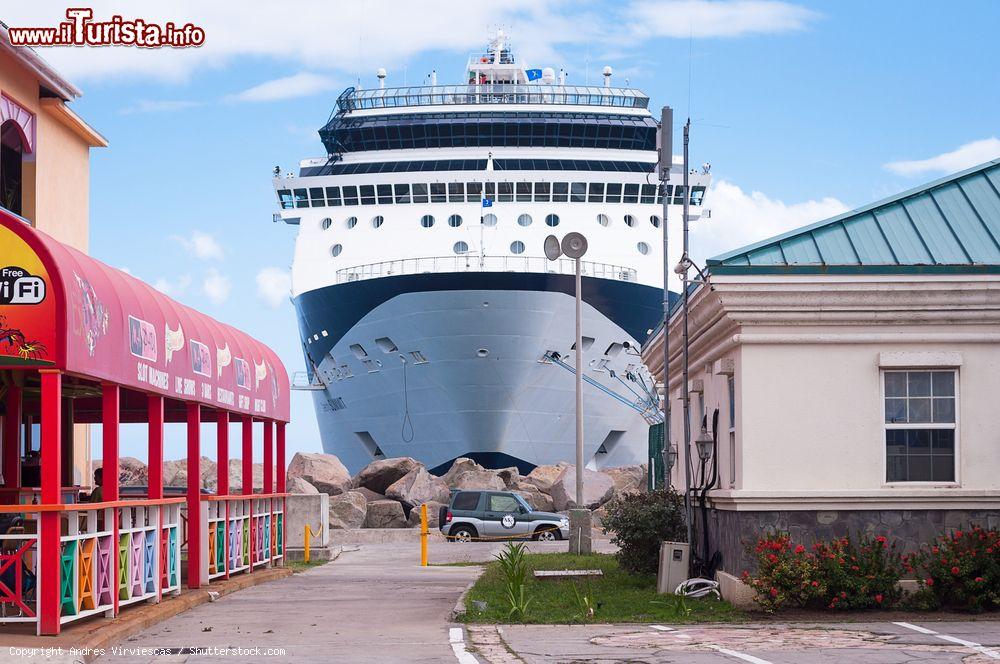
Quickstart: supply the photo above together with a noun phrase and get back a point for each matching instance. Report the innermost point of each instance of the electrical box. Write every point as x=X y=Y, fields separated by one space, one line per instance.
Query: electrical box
x=674 y=566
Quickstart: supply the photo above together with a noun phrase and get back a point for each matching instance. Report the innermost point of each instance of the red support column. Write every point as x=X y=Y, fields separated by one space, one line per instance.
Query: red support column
x=280 y=426
x=12 y=442
x=268 y=456
x=194 y=494
x=154 y=409
x=247 y=488
x=110 y=418
x=222 y=454
x=50 y=546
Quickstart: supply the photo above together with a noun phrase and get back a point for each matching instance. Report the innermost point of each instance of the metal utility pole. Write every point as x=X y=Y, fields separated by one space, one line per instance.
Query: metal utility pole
x=684 y=266
x=666 y=161
x=579 y=388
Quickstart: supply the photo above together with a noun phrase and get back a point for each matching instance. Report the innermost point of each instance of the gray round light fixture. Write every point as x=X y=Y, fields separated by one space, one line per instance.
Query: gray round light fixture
x=552 y=248
x=574 y=245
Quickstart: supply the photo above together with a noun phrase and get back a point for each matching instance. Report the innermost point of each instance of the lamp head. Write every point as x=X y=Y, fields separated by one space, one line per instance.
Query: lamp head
x=704 y=444
x=552 y=248
x=574 y=245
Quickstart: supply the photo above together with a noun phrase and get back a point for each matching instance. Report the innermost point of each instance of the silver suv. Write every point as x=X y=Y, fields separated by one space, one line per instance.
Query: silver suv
x=491 y=515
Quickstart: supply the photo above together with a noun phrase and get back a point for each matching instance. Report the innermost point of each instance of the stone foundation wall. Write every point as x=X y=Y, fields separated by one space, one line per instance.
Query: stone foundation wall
x=731 y=531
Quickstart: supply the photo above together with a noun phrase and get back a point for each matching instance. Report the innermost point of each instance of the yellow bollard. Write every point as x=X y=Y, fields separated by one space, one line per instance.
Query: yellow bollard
x=307 y=535
x=423 y=535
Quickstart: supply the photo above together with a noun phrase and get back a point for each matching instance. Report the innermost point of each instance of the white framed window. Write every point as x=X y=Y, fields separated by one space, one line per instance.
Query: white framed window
x=455 y=220
x=326 y=223
x=629 y=220
x=351 y=222
x=377 y=221
x=731 y=385
x=603 y=219
x=921 y=424
x=427 y=221
x=489 y=220
x=524 y=220
x=460 y=247
x=517 y=247
x=643 y=248
x=336 y=249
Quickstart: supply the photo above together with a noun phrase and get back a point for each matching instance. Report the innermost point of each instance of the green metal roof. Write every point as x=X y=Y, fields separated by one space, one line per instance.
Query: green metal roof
x=951 y=224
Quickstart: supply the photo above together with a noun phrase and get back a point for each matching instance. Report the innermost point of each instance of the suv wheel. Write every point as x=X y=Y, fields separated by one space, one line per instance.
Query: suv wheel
x=547 y=534
x=462 y=533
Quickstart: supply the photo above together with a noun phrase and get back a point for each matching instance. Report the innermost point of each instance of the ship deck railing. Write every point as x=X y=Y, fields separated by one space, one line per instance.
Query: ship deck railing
x=476 y=263
x=496 y=93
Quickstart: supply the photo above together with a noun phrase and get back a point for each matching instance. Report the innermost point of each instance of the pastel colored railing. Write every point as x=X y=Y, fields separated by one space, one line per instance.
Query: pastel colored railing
x=241 y=533
x=18 y=573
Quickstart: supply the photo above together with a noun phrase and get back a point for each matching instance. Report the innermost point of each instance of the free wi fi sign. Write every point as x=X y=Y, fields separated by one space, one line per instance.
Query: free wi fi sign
x=17 y=286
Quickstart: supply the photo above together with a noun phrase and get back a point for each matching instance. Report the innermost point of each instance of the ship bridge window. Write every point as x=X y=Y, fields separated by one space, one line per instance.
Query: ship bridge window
x=560 y=192
x=629 y=220
x=316 y=197
x=524 y=220
x=367 y=194
x=437 y=192
x=578 y=192
x=643 y=248
x=697 y=195
x=359 y=351
x=285 y=196
x=301 y=201
x=455 y=220
x=350 y=195
x=336 y=249
x=385 y=194
x=679 y=195
x=648 y=193
x=386 y=345
x=524 y=192
x=456 y=192
x=659 y=192
x=614 y=193
x=460 y=247
x=427 y=221
x=631 y=193
x=552 y=220
x=517 y=247
x=474 y=192
x=542 y=192
x=377 y=221
x=326 y=223
x=596 y=192
x=402 y=193
x=653 y=219
x=489 y=220
x=333 y=196
x=505 y=192
x=420 y=193
x=603 y=219
x=351 y=222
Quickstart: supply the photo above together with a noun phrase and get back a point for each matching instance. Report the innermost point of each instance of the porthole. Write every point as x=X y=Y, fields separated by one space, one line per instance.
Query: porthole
x=629 y=220
x=427 y=221
x=653 y=219
x=643 y=248
x=326 y=223
x=377 y=221
x=352 y=222
x=455 y=220
x=603 y=220
x=524 y=220
x=517 y=247
x=552 y=220
x=489 y=220
x=336 y=249
x=460 y=247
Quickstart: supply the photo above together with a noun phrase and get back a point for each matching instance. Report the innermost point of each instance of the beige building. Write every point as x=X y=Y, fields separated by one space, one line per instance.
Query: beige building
x=45 y=166
x=847 y=374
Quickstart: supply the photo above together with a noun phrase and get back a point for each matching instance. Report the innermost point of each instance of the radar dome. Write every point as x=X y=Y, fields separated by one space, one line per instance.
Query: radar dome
x=548 y=75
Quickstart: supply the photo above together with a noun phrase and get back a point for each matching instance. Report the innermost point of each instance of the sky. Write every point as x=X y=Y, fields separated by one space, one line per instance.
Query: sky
x=803 y=109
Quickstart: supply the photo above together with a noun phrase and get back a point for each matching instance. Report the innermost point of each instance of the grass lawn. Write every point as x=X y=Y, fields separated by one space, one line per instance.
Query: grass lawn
x=300 y=566
x=618 y=597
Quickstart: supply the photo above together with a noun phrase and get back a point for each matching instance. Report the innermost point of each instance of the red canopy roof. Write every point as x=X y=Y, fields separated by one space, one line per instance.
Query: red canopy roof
x=60 y=308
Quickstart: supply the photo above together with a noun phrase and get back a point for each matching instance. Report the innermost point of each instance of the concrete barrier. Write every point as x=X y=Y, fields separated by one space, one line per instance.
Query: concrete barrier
x=308 y=508
x=734 y=591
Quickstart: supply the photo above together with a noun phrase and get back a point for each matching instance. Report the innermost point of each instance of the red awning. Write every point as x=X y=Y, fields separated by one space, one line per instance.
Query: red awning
x=62 y=309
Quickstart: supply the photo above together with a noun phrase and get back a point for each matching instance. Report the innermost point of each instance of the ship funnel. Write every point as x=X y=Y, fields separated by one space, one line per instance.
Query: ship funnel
x=381 y=76
x=607 y=76
x=562 y=77
x=434 y=77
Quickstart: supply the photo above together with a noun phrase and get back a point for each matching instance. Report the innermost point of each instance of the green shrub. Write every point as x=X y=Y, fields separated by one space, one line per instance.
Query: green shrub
x=514 y=566
x=962 y=569
x=638 y=522
x=786 y=574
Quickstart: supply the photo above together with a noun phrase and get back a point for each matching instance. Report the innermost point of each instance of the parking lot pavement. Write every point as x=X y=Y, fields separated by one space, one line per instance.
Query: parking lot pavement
x=974 y=642
x=441 y=551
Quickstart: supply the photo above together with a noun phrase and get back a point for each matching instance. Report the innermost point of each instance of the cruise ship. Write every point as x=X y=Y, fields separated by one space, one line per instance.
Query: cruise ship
x=432 y=324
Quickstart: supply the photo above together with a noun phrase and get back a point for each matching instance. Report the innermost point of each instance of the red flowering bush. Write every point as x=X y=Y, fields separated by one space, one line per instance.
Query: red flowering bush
x=962 y=569
x=839 y=574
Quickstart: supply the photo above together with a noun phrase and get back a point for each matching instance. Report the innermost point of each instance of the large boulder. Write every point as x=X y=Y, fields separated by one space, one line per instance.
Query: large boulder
x=323 y=471
x=543 y=476
x=369 y=494
x=175 y=473
x=380 y=474
x=208 y=473
x=299 y=486
x=416 y=487
x=627 y=479
x=485 y=480
x=458 y=467
x=509 y=476
x=433 y=516
x=384 y=514
x=348 y=510
x=539 y=501
x=597 y=489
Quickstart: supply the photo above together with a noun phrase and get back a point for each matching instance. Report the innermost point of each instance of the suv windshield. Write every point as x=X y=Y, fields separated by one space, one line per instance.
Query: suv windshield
x=523 y=502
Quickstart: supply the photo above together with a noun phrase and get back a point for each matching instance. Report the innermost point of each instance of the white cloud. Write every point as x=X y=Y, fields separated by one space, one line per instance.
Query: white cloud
x=202 y=245
x=968 y=155
x=175 y=287
x=348 y=37
x=289 y=87
x=160 y=106
x=216 y=286
x=714 y=18
x=274 y=285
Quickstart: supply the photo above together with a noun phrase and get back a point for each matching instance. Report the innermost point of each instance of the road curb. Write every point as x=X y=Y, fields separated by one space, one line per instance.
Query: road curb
x=459 y=611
